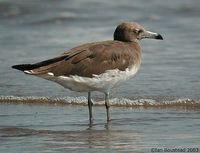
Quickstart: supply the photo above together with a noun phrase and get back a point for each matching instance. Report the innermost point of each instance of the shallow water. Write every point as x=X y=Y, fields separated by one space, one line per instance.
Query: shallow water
x=36 y=128
x=159 y=107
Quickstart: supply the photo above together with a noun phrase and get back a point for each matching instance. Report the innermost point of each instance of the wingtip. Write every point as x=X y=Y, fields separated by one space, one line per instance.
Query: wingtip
x=14 y=66
x=18 y=67
x=22 y=67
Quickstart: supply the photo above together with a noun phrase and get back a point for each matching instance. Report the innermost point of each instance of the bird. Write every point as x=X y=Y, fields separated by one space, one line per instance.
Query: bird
x=96 y=66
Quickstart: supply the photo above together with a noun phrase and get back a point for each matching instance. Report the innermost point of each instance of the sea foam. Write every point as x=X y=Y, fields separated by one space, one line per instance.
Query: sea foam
x=118 y=102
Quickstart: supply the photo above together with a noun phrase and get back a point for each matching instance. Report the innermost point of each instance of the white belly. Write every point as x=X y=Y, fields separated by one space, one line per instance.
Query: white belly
x=103 y=82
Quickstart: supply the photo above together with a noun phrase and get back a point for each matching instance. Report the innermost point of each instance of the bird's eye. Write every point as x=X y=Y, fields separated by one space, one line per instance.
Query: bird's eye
x=140 y=31
x=137 y=31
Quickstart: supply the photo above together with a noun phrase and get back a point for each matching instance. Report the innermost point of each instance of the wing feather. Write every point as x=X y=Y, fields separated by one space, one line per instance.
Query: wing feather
x=89 y=59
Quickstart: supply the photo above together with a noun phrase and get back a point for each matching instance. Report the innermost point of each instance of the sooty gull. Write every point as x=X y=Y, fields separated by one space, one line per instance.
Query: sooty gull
x=97 y=66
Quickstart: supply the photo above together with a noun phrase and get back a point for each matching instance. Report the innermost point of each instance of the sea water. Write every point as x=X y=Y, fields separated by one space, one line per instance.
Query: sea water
x=157 y=110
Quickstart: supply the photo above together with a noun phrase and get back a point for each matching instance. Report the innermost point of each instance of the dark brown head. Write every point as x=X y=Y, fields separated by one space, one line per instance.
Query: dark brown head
x=133 y=32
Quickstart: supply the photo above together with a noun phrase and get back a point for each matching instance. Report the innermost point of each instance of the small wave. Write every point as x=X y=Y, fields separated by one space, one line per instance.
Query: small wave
x=58 y=19
x=118 y=102
x=16 y=132
x=8 y=9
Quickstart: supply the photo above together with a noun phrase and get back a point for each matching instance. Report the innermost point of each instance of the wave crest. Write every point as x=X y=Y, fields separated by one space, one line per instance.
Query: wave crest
x=118 y=102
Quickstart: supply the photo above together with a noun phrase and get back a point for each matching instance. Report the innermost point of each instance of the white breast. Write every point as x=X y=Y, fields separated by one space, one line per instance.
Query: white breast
x=103 y=82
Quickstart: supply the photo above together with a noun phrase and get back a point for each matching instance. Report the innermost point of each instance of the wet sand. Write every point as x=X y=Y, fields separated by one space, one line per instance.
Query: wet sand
x=50 y=128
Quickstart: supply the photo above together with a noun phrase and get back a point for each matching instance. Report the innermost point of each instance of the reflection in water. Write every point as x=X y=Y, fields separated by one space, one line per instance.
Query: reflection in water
x=110 y=139
x=120 y=140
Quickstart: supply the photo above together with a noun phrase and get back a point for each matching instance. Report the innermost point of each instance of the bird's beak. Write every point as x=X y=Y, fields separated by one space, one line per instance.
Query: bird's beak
x=149 y=34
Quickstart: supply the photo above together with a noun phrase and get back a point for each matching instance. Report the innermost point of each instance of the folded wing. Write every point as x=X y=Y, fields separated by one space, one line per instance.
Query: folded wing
x=85 y=60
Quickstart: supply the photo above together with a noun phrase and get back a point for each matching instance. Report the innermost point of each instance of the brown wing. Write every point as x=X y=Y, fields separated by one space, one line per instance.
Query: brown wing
x=89 y=59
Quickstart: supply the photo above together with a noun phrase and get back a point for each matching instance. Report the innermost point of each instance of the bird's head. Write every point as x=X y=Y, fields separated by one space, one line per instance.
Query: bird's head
x=133 y=32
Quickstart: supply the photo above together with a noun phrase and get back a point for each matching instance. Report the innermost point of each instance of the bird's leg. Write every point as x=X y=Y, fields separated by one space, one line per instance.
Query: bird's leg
x=90 y=108
x=107 y=105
